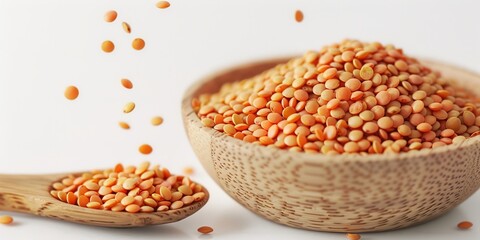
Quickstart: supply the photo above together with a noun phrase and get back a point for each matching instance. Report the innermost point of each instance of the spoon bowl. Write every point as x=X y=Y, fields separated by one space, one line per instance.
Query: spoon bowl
x=30 y=194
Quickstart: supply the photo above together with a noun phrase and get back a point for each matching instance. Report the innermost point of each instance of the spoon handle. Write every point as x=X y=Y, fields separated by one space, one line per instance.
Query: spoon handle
x=24 y=193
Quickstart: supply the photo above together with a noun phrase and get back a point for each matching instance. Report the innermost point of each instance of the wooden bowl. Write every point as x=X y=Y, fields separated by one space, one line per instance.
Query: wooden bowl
x=342 y=193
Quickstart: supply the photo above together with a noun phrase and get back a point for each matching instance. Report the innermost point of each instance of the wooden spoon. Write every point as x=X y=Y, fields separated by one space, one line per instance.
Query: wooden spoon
x=30 y=194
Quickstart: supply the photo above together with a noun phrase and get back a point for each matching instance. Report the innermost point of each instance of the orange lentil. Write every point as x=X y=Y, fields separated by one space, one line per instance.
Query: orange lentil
x=71 y=92
x=350 y=97
x=353 y=236
x=383 y=98
x=145 y=149
x=110 y=16
x=156 y=121
x=139 y=190
x=163 y=4
x=126 y=27
x=138 y=44
x=298 y=16
x=126 y=83
x=366 y=73
x=205 y=229
x=424 y=127
x=5 y=219
x=385 y=122
x=464 y=225
x=108 y=46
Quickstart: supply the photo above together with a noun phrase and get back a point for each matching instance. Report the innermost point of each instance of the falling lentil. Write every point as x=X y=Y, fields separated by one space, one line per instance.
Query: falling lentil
x=126 y=83
x=71 y=92
x=298 y=16
x=130 y=189
x=108 y=46
x=188 y=171
x=145 y=149
x=129 y=107
x=156 y=121
x=126 y=27
x=163 y=4
x=110 y=16
x=138 y=44
x=350 y=97
x=124 y=125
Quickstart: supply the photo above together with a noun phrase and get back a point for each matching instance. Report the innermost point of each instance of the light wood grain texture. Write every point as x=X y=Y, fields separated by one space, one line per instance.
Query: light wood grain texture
x=30 y=194
x=341 y=193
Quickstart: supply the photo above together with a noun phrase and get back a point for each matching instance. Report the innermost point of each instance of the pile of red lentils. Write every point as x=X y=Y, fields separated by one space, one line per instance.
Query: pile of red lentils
x=350 y=97
x=131 y=189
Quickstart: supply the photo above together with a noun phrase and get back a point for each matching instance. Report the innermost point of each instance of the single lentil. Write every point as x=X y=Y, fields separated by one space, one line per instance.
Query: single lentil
x=138 y=44
x=205 y=229
x=126 y=27
x=163 y=4
x=126 y=83
x=110 y=16
x=129 y=107
x=145 y=149
x=353 y=236
x=298 y=16
x=108 y=46
x=156 y=121
x=464 y=225
x=5 y=219
x=71 y=92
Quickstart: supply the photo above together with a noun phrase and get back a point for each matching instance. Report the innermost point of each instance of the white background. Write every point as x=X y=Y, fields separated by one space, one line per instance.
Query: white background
x=49 y=44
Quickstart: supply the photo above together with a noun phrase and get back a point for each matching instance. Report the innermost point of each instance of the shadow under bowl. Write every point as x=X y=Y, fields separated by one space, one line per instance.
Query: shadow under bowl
x=342 y=193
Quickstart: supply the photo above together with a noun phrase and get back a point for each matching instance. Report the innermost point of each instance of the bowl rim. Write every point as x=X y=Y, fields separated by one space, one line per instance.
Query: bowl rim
x=189 y=114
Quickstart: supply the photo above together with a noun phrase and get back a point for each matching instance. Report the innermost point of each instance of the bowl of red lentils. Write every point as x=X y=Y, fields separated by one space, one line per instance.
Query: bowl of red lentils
x=355 y=137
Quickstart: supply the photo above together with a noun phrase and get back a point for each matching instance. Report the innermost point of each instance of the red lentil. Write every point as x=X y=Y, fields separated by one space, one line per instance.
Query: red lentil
x=163 y=4
x=108 y=46
x=145 y=149
x=349 y=97
x=464 y=225
x=131 y=189
x=71 y=92
x=298 y=16
x=5 y=219
x=126 y=83
x=205 y=229
x=110 y=16
x=138 y=44
x=353 y=236
x=126 y=27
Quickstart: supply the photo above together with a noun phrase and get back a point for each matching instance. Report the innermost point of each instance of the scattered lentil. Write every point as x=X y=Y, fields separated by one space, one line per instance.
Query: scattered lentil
x=6 y=219
x=464 y=225
x=350 y=97
x=205 y=229
x=353 y=236
x=71 y=92
x=131 y=189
